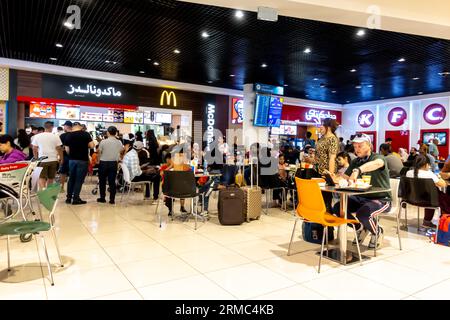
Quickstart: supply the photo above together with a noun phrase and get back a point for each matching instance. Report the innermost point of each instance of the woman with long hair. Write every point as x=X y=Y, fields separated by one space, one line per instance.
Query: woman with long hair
x=153 y=145
x=23 y=141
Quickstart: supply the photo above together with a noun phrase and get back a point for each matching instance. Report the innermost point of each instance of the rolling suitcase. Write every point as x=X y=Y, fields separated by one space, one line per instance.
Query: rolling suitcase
x=252 y=199
x=231 y=206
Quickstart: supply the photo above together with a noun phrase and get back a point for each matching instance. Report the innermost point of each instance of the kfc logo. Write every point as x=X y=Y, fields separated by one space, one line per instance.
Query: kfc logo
x=366 y=118
x=434 y=114
x=397 y=117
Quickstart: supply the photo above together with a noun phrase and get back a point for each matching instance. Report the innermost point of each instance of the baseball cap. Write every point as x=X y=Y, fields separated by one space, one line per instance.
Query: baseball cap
x=361 y=137
x=138 y=145
x=127 y=137
x=68 y=123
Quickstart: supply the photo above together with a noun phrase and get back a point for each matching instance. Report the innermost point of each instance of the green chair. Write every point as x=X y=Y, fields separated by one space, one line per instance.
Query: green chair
x=47 y=198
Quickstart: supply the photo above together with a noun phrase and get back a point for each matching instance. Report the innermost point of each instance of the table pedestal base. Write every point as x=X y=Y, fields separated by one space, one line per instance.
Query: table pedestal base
x=335 y=255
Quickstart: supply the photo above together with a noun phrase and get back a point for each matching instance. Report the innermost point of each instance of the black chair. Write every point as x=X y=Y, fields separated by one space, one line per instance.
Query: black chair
x=180 y=185
x=421 y=193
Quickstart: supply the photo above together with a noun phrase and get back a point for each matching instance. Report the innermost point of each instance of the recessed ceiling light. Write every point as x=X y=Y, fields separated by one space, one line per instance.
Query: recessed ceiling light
x=370 y=85
x=401 y=60
x=381 y=97
x=107 y=61
x=444 y=74
x=416 y=78
x=176 y=51
x=348 y=101
x=316 y=79
x=361 y=32
x=353 y=70
x=210 y=81
x=156 y=63
x=149 y=59
x=59 y=45
x=114 y=62
x=239 y=14
x=68 y=25
x=53 y=59
x=232 y=75
x=334 y=91
x=307 y=50
x=142 y=72
x=358 y=87
x=307 y=95
x=420 y=92
x=264 y=65
x=286 y=85
x=205 y=34
x=322 y=85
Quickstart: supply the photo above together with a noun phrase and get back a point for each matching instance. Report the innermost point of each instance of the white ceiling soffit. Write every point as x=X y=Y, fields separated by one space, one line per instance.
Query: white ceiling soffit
x=426 y=18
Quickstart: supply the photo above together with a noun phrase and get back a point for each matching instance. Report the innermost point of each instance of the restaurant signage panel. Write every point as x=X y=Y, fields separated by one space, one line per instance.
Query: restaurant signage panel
x=366 y=118
x=397 y=116
x=434 y=114
x=308 y=115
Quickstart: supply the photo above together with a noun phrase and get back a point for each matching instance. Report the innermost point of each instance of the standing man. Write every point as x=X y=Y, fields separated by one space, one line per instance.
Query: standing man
x=77 y=145
x=434 y=151
x=64 y=168
x=367 y=207
x=48 y=145
x=108 y=152
x=341 y=145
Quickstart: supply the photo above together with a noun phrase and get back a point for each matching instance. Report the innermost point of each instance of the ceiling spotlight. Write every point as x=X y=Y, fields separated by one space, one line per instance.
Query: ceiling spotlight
x=149 y=59
x=381 y=97
x=361 y=33
x=420 y=92
x=142 y=72
x=307 y=50
x=107 y=61
x=176 y=51
x=53 y=59
x=264 y=65
x=114 y=62
x=210 y=81
x=307 y=95
x=232 y=75
x=353 y=70
x=322 y=85
x=239 y=14
x=286 y=85
x=416 y=78
x=348 y=101
x=316 y=79
x=205 y=34
x=370 y=85
x=59 y=45
x=444 y=74
x=358 y=87
x=334 y=91
x=401 y=60
x=156 y=63
x=68 y=25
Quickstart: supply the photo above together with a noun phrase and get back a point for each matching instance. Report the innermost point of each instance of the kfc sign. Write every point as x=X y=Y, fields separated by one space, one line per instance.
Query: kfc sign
x=397 y=116
x=434 y=114
x=366 y=118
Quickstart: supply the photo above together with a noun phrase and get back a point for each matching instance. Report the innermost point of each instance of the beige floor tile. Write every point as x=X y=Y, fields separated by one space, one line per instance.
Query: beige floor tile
x=157 y=270
x=257 y=250
x=297 y=292
x=229 y=236
x=23 y=282
x=436 y=266
x=87 y=284
x=120 y=237
x=212 y=259
x=170 y=231
x=126 y=295
x=437 y=292
x=392 y=275
x=193 y=288
x=348 y=286
x=249 y=280
x=145 y=250
x=187 y=243
x=96 y=228
x=300 y=267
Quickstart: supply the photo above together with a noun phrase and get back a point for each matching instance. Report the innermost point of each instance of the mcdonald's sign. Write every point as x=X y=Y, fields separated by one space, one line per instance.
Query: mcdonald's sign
x=169 y=97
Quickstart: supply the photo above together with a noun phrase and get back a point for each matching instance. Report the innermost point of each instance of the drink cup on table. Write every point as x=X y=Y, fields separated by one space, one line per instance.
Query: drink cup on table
x=367 y=179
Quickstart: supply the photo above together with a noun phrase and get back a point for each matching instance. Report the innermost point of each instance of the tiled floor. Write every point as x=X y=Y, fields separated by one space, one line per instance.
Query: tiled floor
x=119 y=252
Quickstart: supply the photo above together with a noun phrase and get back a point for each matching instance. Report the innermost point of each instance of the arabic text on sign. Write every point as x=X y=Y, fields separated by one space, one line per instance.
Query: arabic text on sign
x=93 y=90
x=317 y=115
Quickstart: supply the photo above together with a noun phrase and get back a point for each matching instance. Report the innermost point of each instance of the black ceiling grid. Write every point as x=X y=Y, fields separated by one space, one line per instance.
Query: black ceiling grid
x=131 y=31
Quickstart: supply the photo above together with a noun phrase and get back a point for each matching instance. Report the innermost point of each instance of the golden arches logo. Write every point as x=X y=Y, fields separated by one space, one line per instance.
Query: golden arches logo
x=168 y=97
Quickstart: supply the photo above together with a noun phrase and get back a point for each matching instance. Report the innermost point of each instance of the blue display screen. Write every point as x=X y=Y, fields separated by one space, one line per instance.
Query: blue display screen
x=275 y=110
x=262 y=107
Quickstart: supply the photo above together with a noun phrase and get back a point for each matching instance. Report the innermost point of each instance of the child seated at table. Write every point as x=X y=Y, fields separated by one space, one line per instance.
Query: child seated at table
x=176 y=165
x=343 y=160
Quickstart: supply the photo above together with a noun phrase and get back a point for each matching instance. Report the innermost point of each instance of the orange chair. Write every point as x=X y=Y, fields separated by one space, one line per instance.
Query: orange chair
x=311 y=209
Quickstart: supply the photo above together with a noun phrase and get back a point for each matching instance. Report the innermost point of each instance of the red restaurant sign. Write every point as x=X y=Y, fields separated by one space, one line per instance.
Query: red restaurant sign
x=309 y=115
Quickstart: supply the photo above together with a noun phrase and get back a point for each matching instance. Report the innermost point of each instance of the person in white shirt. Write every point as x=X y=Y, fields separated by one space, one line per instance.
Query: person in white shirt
x=422 y=170
x=48 y=145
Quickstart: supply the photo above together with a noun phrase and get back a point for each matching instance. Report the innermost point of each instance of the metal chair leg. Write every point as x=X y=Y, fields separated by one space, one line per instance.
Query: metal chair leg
x=376 y=236
x=321 y=249
x=418 y=218
x=398 y=229
x=8 y=252
x=357 y=244
x=437 y=225
x=194 y=213
x=48 y=260
x=326 y=235
x=57 y=247
x=292 y=237
x=158 y=214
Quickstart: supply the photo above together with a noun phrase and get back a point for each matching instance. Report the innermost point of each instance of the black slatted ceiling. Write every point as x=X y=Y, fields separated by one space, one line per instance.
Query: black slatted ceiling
x=129 y=32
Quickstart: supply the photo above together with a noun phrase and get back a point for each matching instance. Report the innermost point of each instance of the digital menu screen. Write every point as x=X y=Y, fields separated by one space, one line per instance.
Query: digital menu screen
x=261 y=110
x=118 y=116
x=164 y=117
x=133 y=117
x=91 y=116
x=150 y=117
x=42 y=111
x=237 y=110
x=290 y=130
x=109 y=116
x=275 y=109
x=67 y=113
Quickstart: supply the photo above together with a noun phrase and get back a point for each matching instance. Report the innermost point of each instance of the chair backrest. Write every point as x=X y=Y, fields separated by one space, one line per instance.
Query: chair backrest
x=179 y=184
x=125 y=173
x=49 y=195
x=419 y=192
x=306 y=173
x=395 y=185
x=311 y=206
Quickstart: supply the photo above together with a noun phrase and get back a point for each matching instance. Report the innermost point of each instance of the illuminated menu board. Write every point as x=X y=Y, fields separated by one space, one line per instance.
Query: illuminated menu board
x=118 y=116
x=109 y=116
x=42 y=111
x=91 y=116
x=67 y=113
x=133 y=117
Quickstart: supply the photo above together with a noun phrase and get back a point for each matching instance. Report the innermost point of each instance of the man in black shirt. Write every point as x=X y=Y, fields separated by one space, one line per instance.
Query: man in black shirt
x=77 y=145
x=64 y=168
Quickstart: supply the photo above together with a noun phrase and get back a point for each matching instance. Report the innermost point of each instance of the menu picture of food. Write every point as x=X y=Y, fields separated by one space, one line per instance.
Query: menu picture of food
x=68 y=113
x=133 y=117
x=109 y=117
x=91 y=116
x=118 y=116
x=42 y=111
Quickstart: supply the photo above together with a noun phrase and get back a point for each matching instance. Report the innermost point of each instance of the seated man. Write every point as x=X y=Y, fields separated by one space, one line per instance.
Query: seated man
x=137 y=174
x=393 y=162
x=367 y=207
